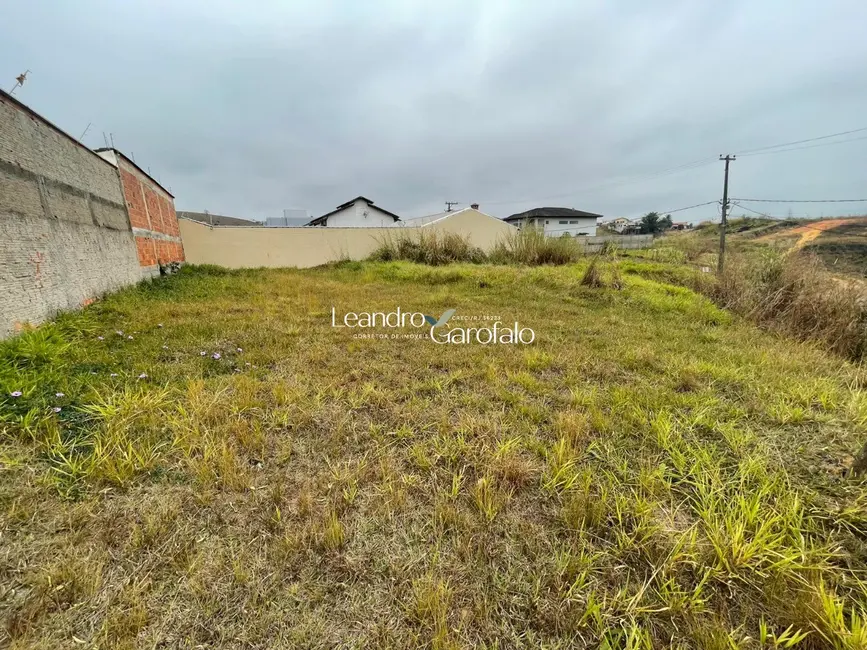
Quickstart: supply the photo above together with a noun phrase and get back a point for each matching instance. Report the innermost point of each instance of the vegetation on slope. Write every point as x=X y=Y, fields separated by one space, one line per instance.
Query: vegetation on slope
x=226 y=469
x=790 y=290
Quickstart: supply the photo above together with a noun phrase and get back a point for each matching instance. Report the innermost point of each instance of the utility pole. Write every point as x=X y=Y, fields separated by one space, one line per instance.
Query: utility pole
x=725 y=204
x=449 y=205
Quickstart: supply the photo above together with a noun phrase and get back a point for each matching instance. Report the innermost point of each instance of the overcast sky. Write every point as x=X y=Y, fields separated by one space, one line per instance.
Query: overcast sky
x=246 y=108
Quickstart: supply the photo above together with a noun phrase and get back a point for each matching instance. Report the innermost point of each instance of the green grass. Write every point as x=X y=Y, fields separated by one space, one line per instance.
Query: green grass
x=651 y=472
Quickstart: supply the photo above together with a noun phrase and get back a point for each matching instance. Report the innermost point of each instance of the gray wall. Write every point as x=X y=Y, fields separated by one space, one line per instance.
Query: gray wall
x=595 y=244
x=65 y=237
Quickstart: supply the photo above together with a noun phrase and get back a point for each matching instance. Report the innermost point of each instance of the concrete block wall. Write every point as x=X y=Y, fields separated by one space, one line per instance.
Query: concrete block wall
x=626 y=242
x=65 y=237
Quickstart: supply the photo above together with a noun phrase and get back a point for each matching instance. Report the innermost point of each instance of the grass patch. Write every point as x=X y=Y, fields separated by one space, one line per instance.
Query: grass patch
x=651 y=472
x=529 y=247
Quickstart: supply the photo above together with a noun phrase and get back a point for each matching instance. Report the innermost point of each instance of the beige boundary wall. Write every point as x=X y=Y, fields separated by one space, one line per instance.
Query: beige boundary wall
x=239 y=247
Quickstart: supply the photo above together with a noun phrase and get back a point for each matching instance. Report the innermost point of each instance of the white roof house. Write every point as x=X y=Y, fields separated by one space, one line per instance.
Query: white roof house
x=555 y=222
x=360 y=212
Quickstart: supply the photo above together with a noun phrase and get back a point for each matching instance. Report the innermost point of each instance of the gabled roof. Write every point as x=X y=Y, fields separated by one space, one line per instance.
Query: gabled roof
x=318 y=220
x=553 y=213
x=418 y=222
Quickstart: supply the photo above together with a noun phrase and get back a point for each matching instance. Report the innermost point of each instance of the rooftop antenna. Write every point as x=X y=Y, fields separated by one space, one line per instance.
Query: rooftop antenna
x=105 y=139
x=449 y=205
x=111 y=137
x=19 y=81
x=84 y=133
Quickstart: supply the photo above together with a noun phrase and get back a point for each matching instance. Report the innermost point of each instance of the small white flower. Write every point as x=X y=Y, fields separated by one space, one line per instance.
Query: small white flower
x=240 y=349
x=143 y=376
x=129 y=338
x=159 y=324
x=16 y=393
x=203 y=353
x=165 y=347
x=247 y=364
x=100 y=338
x=60 y=394
x=56 y=409
x=216 y=356
x=114 y=374
x=120 y=332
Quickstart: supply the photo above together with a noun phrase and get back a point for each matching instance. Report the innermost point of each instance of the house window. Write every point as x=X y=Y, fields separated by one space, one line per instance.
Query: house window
x=570 y=222
x=565 y=222
x=547 y=222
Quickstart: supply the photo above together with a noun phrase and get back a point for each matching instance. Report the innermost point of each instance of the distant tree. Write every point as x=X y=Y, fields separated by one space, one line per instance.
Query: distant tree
x=652 y=223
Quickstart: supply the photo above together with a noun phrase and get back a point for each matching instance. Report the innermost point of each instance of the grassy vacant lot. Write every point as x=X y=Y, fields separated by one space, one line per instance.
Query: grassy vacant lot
x=232 y=472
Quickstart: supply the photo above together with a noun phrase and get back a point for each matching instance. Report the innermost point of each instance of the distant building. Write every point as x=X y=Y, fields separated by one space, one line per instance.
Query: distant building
x=292 y=218
x=681 y=225
x=217 y=219
x=632 y=227
x=618 y=224
x=555 y=222
x=360 y=212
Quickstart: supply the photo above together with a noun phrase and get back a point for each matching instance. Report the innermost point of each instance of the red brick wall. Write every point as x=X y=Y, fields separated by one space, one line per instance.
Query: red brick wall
x=147 y=255
x=138 y=216
x=153 y=210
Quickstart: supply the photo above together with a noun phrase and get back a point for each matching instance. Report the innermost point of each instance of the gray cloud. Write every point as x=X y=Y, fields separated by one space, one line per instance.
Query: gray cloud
x=513 y=105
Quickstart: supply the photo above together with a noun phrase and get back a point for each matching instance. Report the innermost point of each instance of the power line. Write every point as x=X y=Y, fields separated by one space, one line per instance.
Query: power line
x=807 y=226
x=802 y=200
x=629 y=179
x=690 y=207
x=660 y=212
x=701 y=162
x=811 y=146
x=786 y=144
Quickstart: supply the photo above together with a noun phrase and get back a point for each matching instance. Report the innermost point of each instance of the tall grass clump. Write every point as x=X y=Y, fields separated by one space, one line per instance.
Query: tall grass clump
x=793 y=294
x=428 y=247
x=532 y=247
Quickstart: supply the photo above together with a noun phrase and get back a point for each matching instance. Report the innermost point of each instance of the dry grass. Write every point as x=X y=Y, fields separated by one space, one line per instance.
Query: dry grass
x=650 y=473
x=529 y=246
x=778 y=287
x=794 y=294
x=428 y=247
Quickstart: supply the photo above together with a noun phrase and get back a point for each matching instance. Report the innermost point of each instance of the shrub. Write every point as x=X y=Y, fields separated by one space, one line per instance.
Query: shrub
x=609 y=249
x=428 y=247
x=532 y=247
x=592 y=276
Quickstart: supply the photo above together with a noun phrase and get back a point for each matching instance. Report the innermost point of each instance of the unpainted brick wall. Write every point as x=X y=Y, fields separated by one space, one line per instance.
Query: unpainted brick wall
x=152 y=216
x=65 y=237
